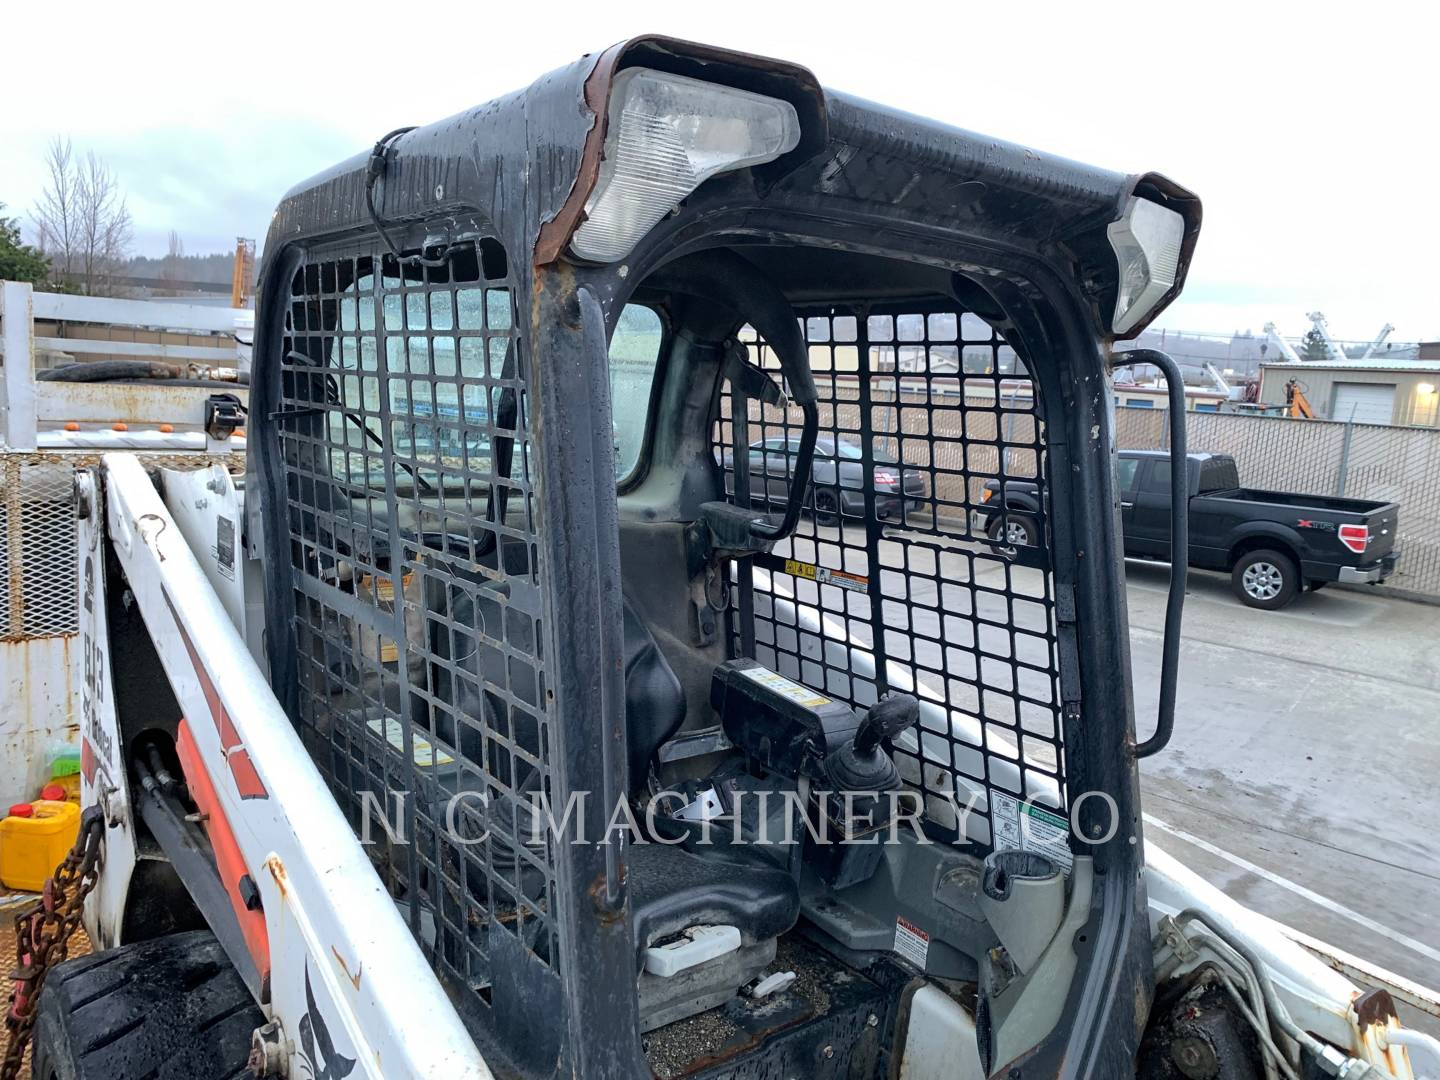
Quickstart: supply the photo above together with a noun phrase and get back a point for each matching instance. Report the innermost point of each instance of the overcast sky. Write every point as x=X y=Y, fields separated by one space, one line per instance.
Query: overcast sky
x=1308 y=129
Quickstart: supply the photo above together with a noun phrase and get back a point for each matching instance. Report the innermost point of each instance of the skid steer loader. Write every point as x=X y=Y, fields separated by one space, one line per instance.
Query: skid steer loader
x=594 y=672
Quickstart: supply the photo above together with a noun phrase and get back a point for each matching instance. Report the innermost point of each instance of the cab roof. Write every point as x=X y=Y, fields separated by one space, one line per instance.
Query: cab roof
x=525 y=163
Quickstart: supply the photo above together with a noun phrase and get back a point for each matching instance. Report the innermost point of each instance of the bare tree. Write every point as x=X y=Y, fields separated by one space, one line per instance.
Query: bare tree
x=82 y=220
x=174 y=256
x=55 y=216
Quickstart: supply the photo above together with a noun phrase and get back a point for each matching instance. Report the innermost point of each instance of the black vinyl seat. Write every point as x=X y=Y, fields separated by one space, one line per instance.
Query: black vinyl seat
x=672 y=888
x=654 y=700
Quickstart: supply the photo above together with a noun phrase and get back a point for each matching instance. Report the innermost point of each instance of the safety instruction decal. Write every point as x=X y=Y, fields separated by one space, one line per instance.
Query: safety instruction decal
x=427 y=754
x=912 y=943
x=1023 y=826
x=225 y=546
x=824 y=575
x=801 y=695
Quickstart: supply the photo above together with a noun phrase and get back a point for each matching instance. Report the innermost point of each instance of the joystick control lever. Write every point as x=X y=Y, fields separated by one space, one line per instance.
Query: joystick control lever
x=885 y=720
x=862 y=765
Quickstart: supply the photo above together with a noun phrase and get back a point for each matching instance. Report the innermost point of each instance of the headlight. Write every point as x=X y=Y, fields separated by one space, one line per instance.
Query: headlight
x=666 y=136
x=1147 y=245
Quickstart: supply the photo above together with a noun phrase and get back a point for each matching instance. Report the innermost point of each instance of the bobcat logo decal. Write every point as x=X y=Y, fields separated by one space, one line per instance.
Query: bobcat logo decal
x=316 y=1050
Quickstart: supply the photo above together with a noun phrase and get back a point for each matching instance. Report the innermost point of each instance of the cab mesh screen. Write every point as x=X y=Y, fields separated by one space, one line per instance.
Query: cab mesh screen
x=892 y=580
x=418 y=591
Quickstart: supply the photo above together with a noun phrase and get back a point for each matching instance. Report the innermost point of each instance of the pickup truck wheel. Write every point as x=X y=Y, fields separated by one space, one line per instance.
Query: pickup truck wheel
x=1009 y=531
x=1265 y=579
x=170 y=1008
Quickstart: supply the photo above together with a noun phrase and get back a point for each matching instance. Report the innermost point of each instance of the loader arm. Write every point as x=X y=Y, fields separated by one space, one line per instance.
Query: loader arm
x=346 y=980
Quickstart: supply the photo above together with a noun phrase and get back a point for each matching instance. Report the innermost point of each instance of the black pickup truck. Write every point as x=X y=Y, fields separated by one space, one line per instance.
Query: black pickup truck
x=1273 y=543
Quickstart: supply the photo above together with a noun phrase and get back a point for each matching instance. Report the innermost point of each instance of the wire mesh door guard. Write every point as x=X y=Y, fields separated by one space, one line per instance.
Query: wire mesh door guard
x=887 y=583
x=418 y=593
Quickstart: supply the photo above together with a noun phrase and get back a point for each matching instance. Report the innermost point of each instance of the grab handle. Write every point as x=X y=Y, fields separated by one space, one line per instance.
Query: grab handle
x=1179 y=544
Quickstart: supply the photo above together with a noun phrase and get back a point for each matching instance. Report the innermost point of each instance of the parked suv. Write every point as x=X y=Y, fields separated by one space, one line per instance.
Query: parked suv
x=837 y=477
x=1273 y=543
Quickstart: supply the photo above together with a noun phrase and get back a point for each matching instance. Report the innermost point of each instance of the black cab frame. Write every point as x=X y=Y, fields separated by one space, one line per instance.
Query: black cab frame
x=460 y=598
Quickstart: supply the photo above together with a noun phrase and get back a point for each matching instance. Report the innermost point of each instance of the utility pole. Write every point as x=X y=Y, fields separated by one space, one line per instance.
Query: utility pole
x=242 y=281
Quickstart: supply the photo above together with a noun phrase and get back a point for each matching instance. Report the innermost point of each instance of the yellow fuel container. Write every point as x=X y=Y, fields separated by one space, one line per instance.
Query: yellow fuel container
x=32 y=845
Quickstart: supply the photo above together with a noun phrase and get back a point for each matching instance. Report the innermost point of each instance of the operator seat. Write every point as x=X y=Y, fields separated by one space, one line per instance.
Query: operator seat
x=654 y=700
x=671 y=888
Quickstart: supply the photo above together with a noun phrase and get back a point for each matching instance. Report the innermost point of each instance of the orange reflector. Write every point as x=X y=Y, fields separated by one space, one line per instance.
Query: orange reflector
x=167 y=428
x=240 y=431
x=121 y=426
x=72 y=426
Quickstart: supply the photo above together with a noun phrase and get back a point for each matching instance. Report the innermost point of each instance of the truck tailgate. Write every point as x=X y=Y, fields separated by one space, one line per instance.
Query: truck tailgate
x=1382 y=523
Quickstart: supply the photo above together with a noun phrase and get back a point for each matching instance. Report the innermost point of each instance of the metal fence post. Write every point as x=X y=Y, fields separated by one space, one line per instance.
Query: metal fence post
x=1343 y=468
x=16 y=310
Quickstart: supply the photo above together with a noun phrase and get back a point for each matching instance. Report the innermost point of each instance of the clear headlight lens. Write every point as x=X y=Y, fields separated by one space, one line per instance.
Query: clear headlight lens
x=1147 y=245
x=667 y=135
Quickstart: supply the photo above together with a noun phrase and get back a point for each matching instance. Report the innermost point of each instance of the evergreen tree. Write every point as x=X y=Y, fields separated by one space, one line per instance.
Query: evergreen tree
x=18 y=261
x=1313 y=347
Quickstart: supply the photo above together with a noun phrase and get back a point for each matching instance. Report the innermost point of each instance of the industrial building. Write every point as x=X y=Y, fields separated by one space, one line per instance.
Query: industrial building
x=1379 y=390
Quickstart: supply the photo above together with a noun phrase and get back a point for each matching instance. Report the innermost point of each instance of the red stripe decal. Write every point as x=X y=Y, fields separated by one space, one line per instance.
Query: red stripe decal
x=247 y=779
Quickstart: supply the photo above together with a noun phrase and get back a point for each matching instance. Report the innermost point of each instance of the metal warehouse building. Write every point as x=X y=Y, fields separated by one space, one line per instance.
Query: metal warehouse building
x=1375 y=391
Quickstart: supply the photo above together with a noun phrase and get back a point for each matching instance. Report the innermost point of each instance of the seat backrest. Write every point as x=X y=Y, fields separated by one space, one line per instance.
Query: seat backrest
x=654 y=700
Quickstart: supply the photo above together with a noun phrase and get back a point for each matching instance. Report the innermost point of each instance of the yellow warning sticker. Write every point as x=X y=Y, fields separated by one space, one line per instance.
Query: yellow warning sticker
x=427 y=754
x=802 y=695
x=824 y=575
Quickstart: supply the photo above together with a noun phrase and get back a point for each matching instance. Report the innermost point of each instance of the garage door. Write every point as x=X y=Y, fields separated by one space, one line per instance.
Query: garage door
x=1365 y=403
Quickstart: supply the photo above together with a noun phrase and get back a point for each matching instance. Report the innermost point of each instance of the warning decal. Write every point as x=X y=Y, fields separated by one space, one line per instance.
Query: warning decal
x=825 y=576
x=1023 y=826
x=426 y=753
x=802 y=695
x=912 y=943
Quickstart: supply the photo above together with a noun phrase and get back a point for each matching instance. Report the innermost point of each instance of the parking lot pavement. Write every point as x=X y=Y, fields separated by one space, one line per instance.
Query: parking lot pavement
x=1304 y=774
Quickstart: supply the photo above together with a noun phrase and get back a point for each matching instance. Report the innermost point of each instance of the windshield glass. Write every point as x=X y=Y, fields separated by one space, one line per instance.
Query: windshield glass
x=634 y=352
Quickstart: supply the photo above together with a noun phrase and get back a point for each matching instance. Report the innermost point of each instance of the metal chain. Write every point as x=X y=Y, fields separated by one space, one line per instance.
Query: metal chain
x=42 y=934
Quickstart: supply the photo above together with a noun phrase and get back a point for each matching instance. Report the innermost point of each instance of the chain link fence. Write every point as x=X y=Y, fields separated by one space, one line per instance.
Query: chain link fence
x=1323 y=457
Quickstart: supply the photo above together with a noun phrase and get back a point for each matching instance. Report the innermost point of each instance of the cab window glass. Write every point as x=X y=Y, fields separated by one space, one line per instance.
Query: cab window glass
x=1125 y=470
x=634 y=352
x=1159 y=481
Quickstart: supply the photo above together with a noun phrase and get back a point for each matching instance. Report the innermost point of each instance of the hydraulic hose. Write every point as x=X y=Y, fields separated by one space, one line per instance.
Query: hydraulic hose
x=1331 y=1061
x=1416 y=1040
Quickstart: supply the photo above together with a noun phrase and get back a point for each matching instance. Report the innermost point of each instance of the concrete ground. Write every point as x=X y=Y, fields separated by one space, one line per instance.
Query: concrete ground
x=1307 y=745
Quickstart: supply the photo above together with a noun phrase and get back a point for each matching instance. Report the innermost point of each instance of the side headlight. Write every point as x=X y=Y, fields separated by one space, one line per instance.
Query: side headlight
x=1147 y=245
x=667 y=135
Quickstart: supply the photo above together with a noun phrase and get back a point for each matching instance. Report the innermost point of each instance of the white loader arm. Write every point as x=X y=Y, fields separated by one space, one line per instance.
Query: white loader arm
x=1318 y=998
x=346 y=978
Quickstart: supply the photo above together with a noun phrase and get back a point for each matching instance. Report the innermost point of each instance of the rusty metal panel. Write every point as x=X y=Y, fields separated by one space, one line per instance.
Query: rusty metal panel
x=125 y=402
x=40 y=681
x=41 y=663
